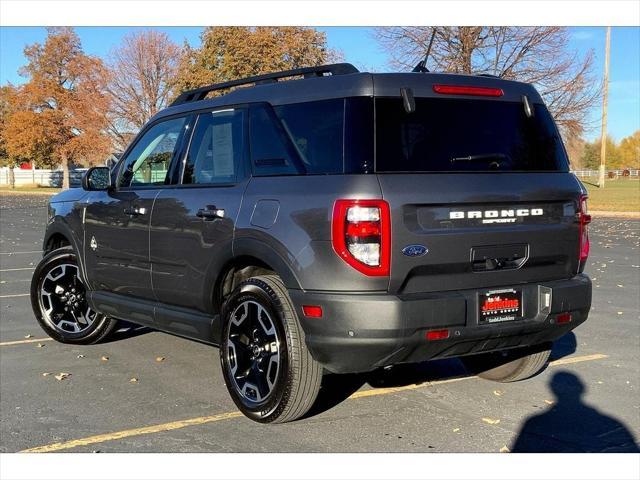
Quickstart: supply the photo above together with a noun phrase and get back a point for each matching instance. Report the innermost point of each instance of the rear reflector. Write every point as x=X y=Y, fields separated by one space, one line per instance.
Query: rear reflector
x=467 y=90
x=563 y=318
x=437 y=334
x=313 y=311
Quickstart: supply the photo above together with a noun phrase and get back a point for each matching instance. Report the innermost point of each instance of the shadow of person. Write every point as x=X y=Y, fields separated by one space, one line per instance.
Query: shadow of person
x=570 y=426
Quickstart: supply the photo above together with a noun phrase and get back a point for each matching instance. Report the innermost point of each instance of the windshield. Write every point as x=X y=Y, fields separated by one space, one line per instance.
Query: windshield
x=448 y=135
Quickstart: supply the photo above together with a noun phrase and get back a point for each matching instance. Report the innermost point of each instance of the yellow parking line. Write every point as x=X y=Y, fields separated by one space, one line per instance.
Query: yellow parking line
x=164 y=427
x=20 y=253
x=583 y=358
x=16 y=295
x=30 y=340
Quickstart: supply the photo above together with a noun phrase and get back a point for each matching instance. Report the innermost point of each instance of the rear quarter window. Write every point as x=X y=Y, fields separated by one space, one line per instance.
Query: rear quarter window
x=316 y=131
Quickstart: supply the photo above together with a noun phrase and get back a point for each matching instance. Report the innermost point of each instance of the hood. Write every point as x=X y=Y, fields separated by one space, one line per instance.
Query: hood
x=70 y=195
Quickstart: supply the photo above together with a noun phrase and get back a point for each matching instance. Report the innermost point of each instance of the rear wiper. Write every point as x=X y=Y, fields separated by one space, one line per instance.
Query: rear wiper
x=483 y=156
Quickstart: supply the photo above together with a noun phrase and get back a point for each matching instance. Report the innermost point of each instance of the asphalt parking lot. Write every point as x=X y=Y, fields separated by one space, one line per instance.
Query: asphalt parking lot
x=586 y=400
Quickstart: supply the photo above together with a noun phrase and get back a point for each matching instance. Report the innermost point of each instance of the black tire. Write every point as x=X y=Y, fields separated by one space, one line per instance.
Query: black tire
x=510 y=365
x=292 y=390
x=48 y=307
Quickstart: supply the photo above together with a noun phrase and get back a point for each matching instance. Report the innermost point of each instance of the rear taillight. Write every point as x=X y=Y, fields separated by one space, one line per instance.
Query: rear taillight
x=468 y=90
x=361 y=235
x=583 y=219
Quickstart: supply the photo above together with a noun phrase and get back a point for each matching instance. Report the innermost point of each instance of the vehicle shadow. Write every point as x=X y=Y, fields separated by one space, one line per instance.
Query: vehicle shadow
x=125 y=330
x=571 y=426
x=564 y=346
x=337 y=388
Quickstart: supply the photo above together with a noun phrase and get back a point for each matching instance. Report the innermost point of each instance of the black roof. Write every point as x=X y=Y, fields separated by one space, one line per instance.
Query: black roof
x=337 y=81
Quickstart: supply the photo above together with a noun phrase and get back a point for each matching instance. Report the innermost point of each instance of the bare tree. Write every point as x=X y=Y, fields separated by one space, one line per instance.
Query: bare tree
x=538 y=55
x=142 y=71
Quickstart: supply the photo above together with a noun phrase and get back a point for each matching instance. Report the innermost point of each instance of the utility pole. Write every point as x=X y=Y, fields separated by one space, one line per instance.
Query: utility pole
x=603 y=135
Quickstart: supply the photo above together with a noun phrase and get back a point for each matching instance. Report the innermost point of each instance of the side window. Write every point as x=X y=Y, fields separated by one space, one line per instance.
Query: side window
x=316 y=129
x=216 y=149
x=149 y=160
x=271 y=152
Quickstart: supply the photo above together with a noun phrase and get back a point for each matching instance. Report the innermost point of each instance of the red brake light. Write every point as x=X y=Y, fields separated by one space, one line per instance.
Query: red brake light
x=468 y=90
x=564 y=318
x=583 y=219
x=361 y=235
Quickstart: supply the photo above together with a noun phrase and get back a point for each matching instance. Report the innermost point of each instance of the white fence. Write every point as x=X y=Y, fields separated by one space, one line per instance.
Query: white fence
x=42 y=177
x=610 y=173
x=53 y=178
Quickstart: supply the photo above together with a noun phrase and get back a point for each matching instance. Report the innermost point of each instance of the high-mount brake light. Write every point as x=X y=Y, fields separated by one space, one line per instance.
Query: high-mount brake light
x=468 y=90
x=361 y=235
x=584 y=219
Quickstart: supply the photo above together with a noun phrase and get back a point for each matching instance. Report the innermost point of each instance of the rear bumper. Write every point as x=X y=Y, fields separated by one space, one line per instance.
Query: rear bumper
x=361 y=332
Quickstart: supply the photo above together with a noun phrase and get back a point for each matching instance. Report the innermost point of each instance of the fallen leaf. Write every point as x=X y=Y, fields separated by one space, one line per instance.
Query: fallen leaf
x=599 y=382
x=456 y=429
x=549 y=402
x=498 y=393
x=40 y=345
x=28 y=336
x=621 y=286
x=46 y=374
x=104 y=359
x=159 y=359
x=133 y=380
x=80 y=356
x=505 y=449
x=62 y=376
x=619 y=313
x=491 y=421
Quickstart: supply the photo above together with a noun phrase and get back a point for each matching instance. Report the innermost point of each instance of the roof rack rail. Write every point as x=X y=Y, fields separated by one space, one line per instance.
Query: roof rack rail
x=307 y=72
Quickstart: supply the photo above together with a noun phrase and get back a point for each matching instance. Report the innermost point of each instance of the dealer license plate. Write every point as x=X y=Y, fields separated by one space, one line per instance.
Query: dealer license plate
x=502 y=305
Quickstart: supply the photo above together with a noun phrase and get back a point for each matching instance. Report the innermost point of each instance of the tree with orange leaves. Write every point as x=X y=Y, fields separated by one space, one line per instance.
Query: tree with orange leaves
x=60 y=113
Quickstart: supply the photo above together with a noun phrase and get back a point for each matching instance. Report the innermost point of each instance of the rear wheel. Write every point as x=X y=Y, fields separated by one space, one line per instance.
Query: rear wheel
x=509 y=365
x=58 y=299
x=268 y=370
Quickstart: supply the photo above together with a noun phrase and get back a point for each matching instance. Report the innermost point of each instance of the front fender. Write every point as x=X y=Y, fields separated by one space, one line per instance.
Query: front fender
x=59 y=225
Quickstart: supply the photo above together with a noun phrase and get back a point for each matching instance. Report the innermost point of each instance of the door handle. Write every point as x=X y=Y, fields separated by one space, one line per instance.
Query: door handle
x=210 y=212
x=134 y=211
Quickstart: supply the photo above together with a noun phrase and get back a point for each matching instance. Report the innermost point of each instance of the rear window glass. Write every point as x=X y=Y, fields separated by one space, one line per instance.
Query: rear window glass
x=446 y=135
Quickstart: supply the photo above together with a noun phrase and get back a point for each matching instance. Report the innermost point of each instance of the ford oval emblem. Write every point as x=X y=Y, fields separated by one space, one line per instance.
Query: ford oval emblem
x=415 y=250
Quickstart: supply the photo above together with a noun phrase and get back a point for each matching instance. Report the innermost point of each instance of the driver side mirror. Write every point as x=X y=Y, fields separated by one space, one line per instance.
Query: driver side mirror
x=97 y=178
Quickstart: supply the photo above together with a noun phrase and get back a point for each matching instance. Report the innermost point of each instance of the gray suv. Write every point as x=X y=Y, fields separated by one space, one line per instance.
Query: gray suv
x=326 y=219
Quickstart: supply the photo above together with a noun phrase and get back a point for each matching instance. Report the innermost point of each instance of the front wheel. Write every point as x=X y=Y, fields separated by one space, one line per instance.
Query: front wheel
x=58 y=299
x=510 y=365
x=269 y=372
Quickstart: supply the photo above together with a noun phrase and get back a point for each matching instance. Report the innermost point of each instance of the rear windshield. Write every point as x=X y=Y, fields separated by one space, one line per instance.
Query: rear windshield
x=448 y=135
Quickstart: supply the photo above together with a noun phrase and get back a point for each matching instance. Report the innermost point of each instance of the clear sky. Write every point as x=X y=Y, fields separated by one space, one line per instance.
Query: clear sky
x=361 y=49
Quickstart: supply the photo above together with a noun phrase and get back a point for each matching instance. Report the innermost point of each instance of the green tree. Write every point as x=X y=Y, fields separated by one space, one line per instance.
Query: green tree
x=591 y=155
x=228 y=53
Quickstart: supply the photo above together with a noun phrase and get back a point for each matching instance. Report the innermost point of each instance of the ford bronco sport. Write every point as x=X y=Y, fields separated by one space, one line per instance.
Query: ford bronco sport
x=324 y=219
